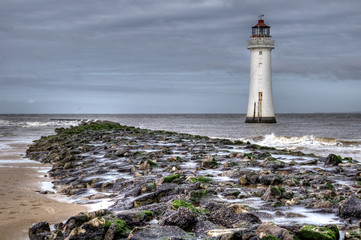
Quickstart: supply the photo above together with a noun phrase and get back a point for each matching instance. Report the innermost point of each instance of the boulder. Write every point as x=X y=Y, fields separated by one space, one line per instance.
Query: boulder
x=158 y=233
x=311 y=232
x=183 y=218
x=39 y=231
x=333 y=160
x=226 y=234
x=272 y=229
x=201 y=227
x=351 y=208
x=228 y=217
x=135 y=217
x=94 y=229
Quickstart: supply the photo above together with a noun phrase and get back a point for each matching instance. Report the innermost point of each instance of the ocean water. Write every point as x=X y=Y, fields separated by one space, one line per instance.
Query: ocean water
x=316 y=133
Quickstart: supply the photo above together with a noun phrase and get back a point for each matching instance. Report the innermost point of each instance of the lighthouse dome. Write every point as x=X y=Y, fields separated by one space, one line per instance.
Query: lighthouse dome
x=261 y=29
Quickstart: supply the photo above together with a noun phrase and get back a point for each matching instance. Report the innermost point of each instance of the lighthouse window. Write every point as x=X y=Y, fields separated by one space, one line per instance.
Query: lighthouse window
x=260 y=52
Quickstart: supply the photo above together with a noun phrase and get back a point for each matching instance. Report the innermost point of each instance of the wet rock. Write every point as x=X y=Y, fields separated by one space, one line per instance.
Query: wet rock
x=158 y=233
x=39 y=231
x=268 y=228
x=227 y=216
x=333 y=160
x=294 y=215
x=135 y=217
x=156 y=208
x=183 y=218
x=201 y=227
x=351 y=208
x=93 y=229
x=226 y=234
x=353 y=234
x=270 y=179
x=311 y=232
x=74 y=222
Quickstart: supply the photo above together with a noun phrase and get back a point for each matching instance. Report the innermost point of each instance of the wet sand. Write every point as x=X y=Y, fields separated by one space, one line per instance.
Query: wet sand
x=20 y=204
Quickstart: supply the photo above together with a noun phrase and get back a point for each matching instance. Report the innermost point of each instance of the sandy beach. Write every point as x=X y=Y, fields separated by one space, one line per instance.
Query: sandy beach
x=20 y=204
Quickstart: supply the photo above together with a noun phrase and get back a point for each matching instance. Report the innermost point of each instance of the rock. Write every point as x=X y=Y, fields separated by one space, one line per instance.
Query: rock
x=209 y=164
x=94 y=229
x=270 y=179
x=294 y=215
x=39 y=231
x=238 y=208
x=227 y=216
x=117 y=229
x=333 y=160
x=183 y=218
x=201 y=228
x=74 y=221
x=311 y=232
x=351 y=208
x=353 y=235
x=226 y=234
x=158 y=233
x=135 y=217
x=272 y=229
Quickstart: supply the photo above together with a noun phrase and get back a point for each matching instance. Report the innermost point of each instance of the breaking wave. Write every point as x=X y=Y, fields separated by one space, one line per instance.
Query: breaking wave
x=311 y=144
x=28 y=124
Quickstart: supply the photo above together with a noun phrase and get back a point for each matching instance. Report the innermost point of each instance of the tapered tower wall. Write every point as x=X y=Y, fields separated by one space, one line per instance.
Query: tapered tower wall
x=260 y=101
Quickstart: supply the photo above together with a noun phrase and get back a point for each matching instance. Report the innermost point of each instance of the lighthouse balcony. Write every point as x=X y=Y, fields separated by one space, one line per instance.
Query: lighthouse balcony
x=261 y=43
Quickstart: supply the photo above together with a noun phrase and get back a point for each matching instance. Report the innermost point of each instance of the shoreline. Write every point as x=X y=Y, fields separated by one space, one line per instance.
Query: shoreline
x=20 y=204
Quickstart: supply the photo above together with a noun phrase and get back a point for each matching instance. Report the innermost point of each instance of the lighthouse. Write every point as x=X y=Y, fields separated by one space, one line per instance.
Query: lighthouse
x=260 y=100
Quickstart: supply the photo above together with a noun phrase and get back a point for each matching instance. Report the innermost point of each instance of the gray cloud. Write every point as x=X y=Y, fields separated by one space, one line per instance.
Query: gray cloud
x=164 y=48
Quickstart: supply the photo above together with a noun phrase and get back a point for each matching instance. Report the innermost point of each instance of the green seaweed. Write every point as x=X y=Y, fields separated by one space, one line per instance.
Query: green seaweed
x=171 y=178
x=121 y=228
x=152 y=164
x=201 y=179
x=311 y=232
x=270 y=237
x=180 y=203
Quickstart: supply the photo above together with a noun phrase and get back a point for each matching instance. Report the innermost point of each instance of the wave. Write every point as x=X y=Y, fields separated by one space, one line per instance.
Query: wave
x=28 y=124
x=311 y=144
x=304 y=140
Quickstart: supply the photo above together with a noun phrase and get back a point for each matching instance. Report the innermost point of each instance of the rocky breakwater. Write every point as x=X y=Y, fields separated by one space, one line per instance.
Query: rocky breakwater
x=167 y=185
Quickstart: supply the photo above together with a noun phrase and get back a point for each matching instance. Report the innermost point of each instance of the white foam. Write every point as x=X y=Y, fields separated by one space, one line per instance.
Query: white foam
x=47 y=186
x=188 y=165
x=311 y=144
x=309 y=217
x=15 y=161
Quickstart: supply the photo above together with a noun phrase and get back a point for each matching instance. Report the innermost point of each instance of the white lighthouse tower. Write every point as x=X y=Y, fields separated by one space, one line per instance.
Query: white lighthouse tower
x=260 y=101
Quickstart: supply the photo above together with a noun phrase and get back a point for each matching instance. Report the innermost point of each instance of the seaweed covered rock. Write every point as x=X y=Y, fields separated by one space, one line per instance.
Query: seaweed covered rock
x=353 y=235
x=311 y=232
x=333 y=160
x=159 y=233
x=39 y=231
x=135 y=217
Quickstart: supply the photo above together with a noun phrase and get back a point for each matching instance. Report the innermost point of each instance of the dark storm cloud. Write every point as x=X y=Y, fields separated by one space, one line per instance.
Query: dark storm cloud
x=53 y=49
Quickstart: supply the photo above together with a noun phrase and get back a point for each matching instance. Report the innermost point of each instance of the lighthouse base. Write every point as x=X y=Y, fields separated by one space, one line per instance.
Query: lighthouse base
x=260 y=120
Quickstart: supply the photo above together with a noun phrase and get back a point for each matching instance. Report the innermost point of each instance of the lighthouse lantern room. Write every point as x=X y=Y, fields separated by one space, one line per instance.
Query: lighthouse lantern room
x=260 y=101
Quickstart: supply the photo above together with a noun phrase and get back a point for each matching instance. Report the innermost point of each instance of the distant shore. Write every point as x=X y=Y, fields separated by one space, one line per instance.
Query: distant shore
x=20 y=204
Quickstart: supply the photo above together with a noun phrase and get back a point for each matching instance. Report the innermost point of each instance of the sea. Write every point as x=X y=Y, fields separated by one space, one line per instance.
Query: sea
x=318 y=133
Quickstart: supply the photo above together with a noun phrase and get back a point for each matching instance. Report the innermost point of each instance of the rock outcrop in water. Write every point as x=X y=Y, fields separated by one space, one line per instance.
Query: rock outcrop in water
x=167 y=185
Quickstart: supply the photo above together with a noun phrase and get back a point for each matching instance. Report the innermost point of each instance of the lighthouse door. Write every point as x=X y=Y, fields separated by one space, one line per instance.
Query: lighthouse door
x=260 y=95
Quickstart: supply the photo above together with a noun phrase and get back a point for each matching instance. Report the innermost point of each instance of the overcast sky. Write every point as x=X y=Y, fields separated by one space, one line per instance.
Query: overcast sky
x=175 y=56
